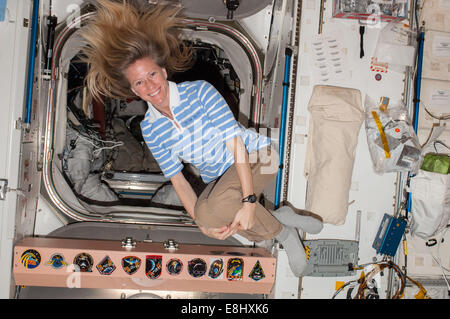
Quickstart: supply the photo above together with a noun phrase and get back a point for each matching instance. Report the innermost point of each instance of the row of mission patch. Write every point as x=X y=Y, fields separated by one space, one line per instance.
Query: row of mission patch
x=196 y=267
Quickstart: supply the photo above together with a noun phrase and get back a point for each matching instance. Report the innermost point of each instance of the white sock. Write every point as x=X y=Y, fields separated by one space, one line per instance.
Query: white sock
x=287 y=216
x=295 y=252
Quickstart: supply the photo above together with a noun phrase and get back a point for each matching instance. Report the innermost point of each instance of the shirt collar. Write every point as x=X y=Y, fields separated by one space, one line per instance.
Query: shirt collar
x=174 y=100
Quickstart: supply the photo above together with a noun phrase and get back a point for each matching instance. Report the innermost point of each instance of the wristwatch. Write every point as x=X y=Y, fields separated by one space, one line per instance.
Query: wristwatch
x=250 y=199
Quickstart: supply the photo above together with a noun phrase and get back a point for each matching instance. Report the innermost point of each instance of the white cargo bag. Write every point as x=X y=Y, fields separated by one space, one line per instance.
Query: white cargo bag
x=335 y=122
x=430 y=203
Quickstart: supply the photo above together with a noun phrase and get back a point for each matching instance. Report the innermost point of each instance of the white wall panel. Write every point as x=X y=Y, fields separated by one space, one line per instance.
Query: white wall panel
x=370 y=193
x=13 y=56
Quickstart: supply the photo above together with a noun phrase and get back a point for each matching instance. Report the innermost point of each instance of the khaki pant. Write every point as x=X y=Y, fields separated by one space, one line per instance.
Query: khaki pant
x=219 y=202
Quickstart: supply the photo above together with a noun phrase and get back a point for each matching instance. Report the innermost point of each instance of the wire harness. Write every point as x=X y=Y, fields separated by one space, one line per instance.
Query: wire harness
x=366 y=284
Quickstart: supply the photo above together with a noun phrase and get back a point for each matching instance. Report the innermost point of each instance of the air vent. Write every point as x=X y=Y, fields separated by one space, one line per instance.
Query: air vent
x=330 y=258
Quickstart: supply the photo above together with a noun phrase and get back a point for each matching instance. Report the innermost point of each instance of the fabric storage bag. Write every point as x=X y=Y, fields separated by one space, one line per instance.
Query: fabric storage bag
x=335 y=122
x=430 y=203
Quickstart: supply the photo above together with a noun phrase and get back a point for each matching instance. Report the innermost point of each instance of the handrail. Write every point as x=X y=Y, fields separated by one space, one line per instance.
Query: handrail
x=31 y=61
x=286 y=82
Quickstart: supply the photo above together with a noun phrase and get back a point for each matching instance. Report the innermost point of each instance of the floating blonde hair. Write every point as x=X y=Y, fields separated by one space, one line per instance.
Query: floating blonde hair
x=120 y=34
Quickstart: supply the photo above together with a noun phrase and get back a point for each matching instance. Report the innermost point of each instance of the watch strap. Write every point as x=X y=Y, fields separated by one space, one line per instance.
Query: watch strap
x=249 y=199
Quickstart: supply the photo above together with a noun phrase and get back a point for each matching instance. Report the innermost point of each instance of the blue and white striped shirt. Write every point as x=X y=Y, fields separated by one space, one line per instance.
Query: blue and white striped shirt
x=205 y=123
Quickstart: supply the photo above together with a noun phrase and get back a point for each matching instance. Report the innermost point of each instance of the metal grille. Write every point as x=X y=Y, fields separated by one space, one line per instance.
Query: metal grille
x=331 y=255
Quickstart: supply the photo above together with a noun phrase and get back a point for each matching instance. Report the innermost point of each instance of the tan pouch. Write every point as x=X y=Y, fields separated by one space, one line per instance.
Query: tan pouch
x=335 y=121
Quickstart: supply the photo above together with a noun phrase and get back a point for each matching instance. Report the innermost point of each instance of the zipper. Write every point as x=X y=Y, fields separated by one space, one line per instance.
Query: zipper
x=174 y=121
x=176 y=124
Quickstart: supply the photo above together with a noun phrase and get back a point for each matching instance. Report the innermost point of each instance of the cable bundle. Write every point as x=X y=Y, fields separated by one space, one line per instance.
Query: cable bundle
x=367 y=289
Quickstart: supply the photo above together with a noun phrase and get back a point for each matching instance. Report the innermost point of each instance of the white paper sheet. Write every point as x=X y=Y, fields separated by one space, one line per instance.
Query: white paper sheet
x=328 y=59
x=441 y=46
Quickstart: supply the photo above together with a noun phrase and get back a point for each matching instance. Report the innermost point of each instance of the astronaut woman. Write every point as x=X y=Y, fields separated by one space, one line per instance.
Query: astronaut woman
x=130 y=51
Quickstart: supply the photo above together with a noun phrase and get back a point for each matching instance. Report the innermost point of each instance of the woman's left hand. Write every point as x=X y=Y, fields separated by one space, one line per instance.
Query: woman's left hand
x=221 y=233
x=245 y=217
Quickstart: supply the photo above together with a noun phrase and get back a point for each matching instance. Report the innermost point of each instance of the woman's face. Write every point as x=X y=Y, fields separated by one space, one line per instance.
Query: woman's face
x=149 y=81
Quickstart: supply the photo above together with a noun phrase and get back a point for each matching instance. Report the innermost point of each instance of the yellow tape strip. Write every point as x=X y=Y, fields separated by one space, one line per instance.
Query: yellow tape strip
x=384 y=140
x=339 y=285
x=384 y=102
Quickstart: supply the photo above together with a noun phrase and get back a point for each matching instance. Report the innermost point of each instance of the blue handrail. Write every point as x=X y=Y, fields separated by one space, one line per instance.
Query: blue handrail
x=418 y=83
x=286 y=83
x=31 y=59
x=421 y=40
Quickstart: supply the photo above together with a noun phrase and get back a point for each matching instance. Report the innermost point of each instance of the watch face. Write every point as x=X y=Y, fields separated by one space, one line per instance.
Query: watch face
x=250 y=199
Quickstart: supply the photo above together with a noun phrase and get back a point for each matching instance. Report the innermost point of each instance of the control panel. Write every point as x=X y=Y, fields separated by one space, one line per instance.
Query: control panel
x=75 y=263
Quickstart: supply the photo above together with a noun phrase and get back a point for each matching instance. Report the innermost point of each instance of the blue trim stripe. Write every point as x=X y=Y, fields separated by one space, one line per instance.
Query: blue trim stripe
x=207 y=123
x=2 y=10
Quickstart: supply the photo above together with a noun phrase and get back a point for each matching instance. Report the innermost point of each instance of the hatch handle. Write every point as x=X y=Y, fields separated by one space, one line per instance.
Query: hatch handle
x=3 y=188
x=231 y=5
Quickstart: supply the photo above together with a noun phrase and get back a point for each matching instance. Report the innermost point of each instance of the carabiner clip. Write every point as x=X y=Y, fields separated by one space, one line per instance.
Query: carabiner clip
x=431 y=242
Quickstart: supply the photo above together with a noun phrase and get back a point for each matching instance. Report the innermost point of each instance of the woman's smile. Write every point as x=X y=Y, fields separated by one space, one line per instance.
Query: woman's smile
x=149 y=81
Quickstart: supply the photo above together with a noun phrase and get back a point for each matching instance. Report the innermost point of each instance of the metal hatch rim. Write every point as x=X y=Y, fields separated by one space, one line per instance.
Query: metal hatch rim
x=49 y=131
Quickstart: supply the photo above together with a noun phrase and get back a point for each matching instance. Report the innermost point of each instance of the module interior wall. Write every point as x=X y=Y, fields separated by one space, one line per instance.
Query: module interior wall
x=370 y=193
